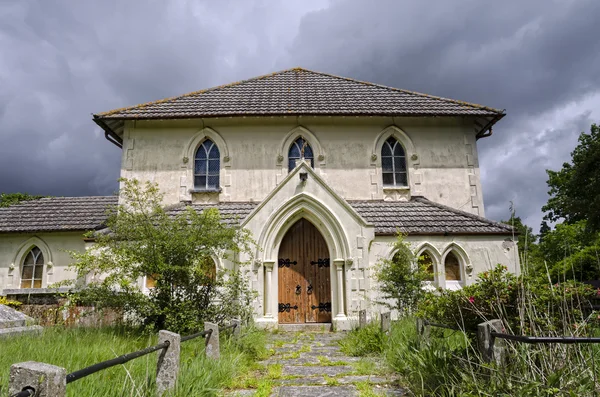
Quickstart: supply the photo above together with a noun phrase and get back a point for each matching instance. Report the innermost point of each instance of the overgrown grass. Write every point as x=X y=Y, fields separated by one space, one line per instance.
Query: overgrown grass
x=448 y=364
x=76 y=348
x=363 y=341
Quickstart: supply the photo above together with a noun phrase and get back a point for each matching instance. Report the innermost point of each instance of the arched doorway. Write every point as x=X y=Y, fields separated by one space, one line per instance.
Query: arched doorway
x=304 y=276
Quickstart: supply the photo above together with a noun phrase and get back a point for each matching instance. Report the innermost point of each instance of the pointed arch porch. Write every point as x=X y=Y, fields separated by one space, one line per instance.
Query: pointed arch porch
x=304 y=206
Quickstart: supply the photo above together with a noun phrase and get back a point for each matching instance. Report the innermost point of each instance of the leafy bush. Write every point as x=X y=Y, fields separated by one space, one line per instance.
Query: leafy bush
x=401 y=278
x=525 y=305
x=176 y=250
x=10 y=303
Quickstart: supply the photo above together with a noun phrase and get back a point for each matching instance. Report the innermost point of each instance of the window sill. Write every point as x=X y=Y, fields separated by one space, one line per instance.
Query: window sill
x=396 y=188
x=35 y=291
x=216 y=190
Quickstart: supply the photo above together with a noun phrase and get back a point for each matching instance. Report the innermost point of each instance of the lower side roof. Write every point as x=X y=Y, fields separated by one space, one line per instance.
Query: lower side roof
x=416 y=216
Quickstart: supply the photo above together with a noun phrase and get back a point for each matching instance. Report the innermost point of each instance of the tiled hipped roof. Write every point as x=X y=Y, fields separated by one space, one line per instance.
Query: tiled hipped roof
x=300 y=92
x=56 y=214
x=421 y=216
x=418 y=216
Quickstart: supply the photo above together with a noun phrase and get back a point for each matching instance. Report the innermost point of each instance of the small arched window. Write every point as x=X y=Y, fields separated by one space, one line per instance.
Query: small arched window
x=452 y=267
x=32 y=269
x=207 y=166
x=426 y=262
x=300 y=149
x=393 y=163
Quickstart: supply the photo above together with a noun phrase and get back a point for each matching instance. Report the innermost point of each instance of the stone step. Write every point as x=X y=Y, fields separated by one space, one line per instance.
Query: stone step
x=32 y=329
x=306 y=327
x=12 y=323
x=317 y=391
x=316 y=370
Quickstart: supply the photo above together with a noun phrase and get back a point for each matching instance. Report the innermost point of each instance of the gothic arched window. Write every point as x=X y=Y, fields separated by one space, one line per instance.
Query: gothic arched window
x=393 y=163
x=300 y=149
x=452 y=267
x=207 y=166
x=426 y=261
x=32 y=269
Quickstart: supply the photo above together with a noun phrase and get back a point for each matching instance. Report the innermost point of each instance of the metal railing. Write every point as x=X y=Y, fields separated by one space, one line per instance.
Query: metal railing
x=212 y=350
x=488 y=332
x=569 y=340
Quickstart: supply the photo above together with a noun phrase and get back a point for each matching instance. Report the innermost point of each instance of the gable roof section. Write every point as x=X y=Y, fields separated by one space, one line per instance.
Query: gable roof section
x=417 y=216
x=300 y=91
x=421 y=216
x=55 y=214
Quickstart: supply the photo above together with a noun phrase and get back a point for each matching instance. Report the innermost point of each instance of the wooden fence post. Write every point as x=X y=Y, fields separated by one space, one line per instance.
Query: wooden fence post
x=491 y=348
x=386 y=321
x=362 y=318
x=47 y=380
x=212 y=341
x=238 y=327
x=167 y=368
x=422 y=330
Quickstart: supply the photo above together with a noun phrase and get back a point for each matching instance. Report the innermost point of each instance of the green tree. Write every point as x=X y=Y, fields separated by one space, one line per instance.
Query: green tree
x=572 y=252
x=143 y=240
x=575 y=189
x=401 y=278
x=7 y=199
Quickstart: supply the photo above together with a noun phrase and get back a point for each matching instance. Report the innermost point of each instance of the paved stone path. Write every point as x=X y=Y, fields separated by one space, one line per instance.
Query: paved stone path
x=311 y=364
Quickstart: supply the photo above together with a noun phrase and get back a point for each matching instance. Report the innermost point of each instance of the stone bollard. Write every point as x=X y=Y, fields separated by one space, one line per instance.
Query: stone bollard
x=491 y=349
x=212 y=341
x=238 y=327
x=362 y=318
x=386 y=321
x=47 y=380
x=167 y=368
x=422 y=330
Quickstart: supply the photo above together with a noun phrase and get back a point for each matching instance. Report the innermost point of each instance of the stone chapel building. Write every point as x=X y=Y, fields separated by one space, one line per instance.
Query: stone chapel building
x=322 y=170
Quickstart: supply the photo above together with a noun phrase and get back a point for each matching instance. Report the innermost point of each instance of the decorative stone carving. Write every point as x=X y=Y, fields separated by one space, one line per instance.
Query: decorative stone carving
x=469 y=269
x=205 y=197
x=414 y=157
x=280 y=158
x=321 y=157
x=373 y=157
x=396 y=194
x=186 y=160
x=226 y=159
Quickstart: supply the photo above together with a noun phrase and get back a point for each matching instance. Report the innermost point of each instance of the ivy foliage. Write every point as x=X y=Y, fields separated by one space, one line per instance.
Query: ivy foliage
x=143 y=239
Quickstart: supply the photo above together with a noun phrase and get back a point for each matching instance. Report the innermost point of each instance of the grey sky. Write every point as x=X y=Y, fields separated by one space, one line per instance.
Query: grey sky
x=62 y=60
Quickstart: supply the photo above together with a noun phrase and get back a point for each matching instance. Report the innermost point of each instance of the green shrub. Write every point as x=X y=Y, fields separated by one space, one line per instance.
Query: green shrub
x=10 y=303
x=525 y=305
x=363 y=341
x=401 y=278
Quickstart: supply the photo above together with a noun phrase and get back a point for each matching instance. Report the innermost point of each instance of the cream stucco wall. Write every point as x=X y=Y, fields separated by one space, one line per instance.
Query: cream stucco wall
x=442 y=156
x=14 y=247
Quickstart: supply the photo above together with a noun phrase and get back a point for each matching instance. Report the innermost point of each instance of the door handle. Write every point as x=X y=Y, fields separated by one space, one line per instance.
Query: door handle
x=309 y=289
x=298 y=289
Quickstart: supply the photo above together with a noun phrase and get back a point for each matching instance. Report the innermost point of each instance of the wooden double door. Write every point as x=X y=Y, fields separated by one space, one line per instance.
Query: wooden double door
x=304 y=278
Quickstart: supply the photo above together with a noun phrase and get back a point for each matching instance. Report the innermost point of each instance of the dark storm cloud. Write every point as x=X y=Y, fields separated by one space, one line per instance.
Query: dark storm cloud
x=62 y=60
x=527 y=57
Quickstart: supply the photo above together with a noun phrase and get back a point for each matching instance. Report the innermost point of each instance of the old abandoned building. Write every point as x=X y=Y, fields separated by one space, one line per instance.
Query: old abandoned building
x=322 y=170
